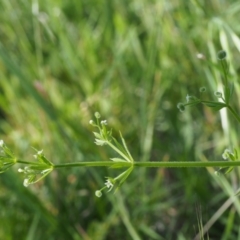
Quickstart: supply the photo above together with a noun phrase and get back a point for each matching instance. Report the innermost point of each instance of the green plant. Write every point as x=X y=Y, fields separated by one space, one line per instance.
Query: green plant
x=37 y=170
x=224 y=97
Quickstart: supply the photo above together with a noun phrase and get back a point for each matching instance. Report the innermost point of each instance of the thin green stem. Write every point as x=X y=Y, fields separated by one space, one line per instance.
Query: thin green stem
x=141 y=164
x=223 y=63
x=151 y=164
x=234 y=113
x=187 y=164
x=91 y=164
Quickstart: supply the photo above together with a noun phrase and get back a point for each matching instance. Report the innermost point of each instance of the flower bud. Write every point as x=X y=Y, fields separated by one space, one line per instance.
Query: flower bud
x=218 y=94
x=97 y=115
x=202 y=89
x=98 y=193
x=190 y=98
x=226 y=154
x=221 y=55
x=181 y=107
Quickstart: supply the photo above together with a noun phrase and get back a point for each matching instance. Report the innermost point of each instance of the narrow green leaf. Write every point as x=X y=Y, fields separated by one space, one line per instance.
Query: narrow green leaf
x=125 y=146
x=192 y=103
x=118 y=160
x=97 y=135
x=121 y=149
x=235 y=153
x=229 y=170
x=124 y=176
x=117 y=165
x=45 y=160
x=215 y=105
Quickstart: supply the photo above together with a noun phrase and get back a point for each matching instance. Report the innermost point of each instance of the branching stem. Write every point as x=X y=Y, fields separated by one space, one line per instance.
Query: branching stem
x=151 y=164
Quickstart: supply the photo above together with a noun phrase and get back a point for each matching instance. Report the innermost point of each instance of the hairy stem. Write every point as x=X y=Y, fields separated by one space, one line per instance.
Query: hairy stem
x=141 y=164
x=151 y=164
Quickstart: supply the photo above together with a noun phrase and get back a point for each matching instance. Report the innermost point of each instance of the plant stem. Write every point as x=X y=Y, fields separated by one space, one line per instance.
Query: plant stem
x=234 y=113
x=141 y=164
x=187 y=164
x=151 y=164
x=225 y=72
x=91 y=164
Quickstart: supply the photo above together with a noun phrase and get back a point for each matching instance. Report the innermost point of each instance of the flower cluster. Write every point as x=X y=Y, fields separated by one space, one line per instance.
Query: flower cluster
x=224 y=98
x=111 y=182
x=36 y=170
x=7 y=158
x=104 y=137
x=232 y=156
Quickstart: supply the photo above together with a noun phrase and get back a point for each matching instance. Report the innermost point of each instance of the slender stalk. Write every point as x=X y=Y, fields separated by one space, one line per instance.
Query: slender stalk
x=187 y=164
x=224 y=67
x=234 y=113
x=91 y=164
x=151 y=164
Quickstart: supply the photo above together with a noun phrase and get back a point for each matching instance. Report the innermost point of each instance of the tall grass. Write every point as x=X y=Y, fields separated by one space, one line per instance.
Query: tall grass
x=60 y=61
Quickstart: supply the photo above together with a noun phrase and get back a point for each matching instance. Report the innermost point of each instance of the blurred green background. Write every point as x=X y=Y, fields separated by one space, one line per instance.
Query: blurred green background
x=133 y=61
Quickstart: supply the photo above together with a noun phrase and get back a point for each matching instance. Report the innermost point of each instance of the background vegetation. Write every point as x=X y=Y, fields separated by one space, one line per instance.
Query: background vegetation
x=133 y=61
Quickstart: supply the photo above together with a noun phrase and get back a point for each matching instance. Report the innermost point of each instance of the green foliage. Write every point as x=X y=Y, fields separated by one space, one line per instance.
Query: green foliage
x=104 y=137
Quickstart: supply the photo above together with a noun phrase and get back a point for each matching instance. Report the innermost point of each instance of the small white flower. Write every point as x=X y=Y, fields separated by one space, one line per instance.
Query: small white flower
x=109 y=185
x=40 y=152
x=91 y=122
x=104 y=122
x=190 y=98
x=1 y=143
x=20 y=170
x=200 y=56
x=100 y=142
x=26 y=182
